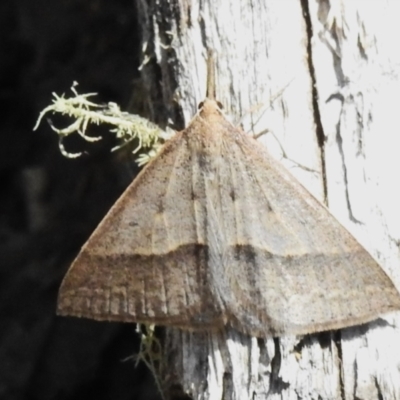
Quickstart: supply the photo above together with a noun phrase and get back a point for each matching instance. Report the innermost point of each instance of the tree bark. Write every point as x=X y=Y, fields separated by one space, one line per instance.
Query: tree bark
x=323 y=77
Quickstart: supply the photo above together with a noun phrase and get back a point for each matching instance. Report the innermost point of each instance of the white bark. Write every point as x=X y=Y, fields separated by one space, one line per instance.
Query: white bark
x=265 y=73
x=357 y=65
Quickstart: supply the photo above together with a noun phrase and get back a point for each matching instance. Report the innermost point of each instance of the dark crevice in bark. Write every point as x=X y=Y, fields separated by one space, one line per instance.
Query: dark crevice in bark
x=337 y=339
x=339 y=141
x=378 y=389
x=317 y=116
x=227 y=386
x=277 y=384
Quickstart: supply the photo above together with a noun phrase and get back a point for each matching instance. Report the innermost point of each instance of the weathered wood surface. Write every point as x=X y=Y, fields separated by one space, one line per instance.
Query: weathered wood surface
x=323 y=78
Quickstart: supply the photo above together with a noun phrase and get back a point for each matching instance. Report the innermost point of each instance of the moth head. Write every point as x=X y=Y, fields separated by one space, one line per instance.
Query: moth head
x=210 y=107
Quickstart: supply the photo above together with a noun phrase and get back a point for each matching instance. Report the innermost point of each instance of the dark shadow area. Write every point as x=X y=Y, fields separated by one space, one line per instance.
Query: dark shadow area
x=356 y=331
x=49 y=205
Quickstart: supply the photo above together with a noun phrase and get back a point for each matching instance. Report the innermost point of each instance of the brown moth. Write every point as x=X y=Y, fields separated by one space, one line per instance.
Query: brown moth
x=215 y=232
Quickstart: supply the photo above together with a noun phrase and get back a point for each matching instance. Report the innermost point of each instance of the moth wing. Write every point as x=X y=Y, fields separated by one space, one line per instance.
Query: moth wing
x=290 y=266
x=146 y=261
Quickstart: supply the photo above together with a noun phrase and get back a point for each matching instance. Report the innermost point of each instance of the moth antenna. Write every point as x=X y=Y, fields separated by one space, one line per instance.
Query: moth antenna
x=210 y=93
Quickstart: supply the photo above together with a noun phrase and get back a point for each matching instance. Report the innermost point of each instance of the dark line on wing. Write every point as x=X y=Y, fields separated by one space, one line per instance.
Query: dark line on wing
x=234 y=196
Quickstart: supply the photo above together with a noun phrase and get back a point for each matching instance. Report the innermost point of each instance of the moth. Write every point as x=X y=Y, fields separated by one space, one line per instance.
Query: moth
x=214 y=232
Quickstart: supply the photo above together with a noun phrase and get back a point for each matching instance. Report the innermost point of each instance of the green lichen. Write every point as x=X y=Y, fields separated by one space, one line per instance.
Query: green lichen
x=125 y=126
